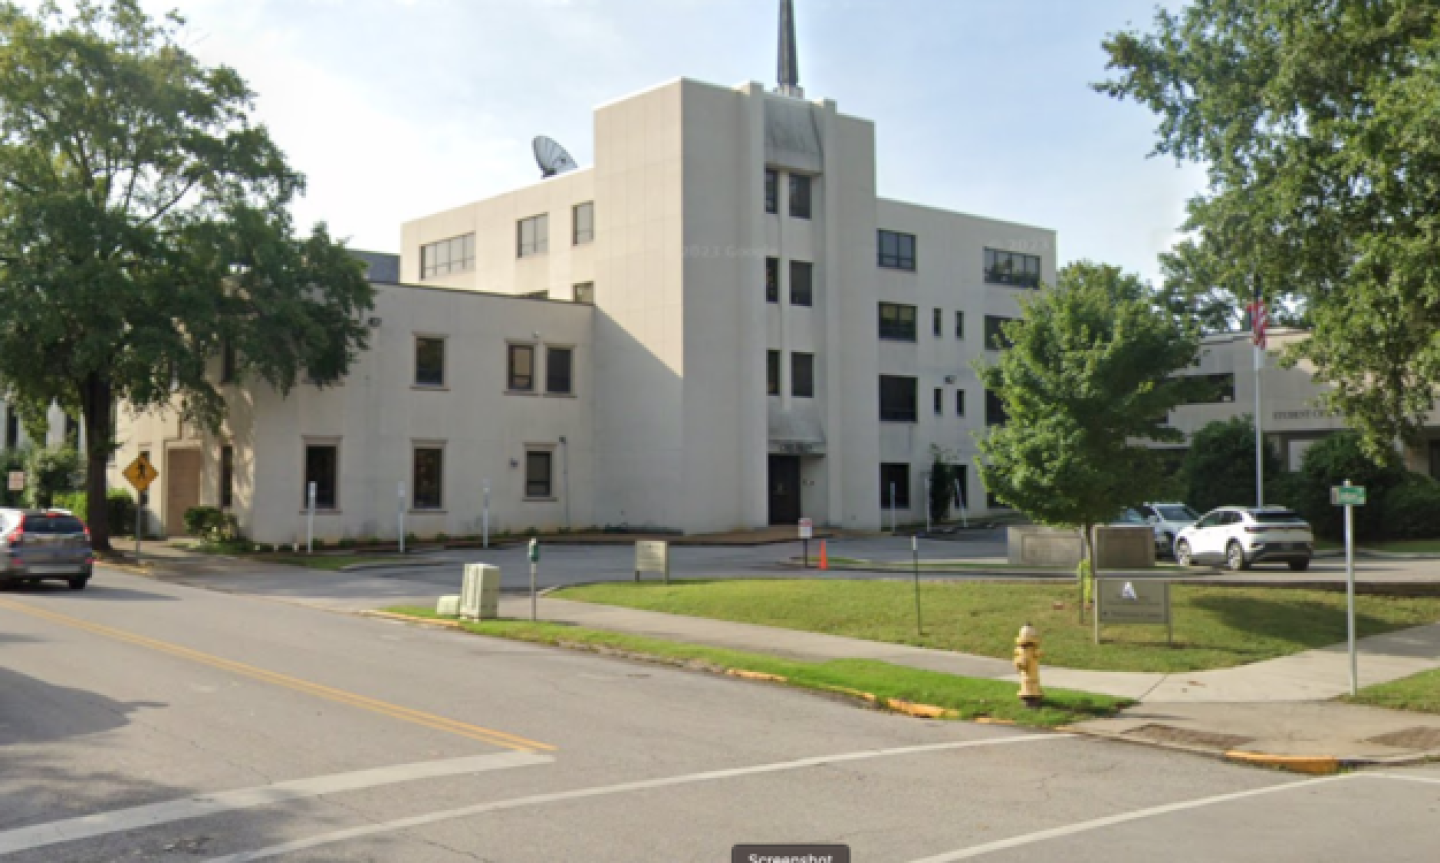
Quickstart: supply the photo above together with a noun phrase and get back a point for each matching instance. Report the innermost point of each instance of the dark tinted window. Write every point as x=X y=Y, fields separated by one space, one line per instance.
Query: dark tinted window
x=53 y=524
x=799 y=196
x=772 y=280
x=897 y=399
x=897 y=322
x=802 y=375
x=802 y=276
x=558 y=363
x=321 y=463
x=1277 y=516
x=897 y=251
x=895 y=478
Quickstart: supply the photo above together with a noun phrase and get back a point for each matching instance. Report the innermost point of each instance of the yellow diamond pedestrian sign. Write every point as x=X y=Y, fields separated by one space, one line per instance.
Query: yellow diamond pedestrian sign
x=141 y=473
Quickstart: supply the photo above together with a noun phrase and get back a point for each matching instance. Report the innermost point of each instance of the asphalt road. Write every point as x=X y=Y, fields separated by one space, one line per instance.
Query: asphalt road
x=141 y=720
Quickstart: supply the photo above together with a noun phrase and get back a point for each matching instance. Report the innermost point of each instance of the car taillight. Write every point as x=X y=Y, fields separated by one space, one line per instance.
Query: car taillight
x=18 y=534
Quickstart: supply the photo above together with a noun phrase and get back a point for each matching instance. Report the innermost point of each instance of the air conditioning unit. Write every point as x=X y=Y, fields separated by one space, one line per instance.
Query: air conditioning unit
x=949 y=379
x=480 y=594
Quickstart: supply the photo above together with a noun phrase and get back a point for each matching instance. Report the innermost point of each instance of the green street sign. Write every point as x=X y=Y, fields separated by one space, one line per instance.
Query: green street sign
x=534 y=551
x=1347 y=495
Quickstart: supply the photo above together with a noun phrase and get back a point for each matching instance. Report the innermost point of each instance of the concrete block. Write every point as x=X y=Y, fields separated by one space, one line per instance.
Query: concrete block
x=448 y=606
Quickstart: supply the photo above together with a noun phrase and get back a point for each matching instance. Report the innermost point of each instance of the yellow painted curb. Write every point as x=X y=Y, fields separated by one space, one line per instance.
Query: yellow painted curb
x=1317 y=765
x=923 y=711
x=754 y=675
x=845 y=690
x=449 y=624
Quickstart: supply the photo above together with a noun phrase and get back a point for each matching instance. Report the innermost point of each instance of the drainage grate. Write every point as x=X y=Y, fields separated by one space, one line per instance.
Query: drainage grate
x=1423 y=738
x=1188 y=737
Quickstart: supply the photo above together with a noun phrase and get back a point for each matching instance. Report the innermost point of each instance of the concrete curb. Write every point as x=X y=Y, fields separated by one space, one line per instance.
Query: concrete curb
x=398 y=564
x=1313 y=765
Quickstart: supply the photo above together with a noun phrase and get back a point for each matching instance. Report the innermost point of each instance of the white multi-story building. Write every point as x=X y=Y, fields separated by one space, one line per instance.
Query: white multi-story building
x=719 y=325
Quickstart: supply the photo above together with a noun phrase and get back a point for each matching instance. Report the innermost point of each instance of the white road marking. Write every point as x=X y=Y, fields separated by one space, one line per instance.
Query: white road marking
x=623 y=788
x=1433 y=780
x=1111 y=820
x=201 y=805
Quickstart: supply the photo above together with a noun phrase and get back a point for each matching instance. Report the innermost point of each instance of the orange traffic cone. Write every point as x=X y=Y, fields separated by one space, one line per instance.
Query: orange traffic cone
x=824 y=561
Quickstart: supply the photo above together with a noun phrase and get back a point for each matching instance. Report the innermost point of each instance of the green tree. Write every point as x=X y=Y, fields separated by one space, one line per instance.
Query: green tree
x=1087 y=377
x=145 y=231
x=1219 y=467
x=1319 y=125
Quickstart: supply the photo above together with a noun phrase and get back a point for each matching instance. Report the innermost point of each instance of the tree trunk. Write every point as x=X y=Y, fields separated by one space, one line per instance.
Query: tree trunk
x=96 y=400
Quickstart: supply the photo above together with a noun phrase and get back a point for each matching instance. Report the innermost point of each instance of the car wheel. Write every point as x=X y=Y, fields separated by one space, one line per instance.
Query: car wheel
x=1300 y=565
x=78 y=583
x=1182 y=553
x=1235 y=558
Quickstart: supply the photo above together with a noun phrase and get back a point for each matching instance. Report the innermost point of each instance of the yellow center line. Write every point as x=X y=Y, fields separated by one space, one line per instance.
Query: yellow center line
x=394 y=711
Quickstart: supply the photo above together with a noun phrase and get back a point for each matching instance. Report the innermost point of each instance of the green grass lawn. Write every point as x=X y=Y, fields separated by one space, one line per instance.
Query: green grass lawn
x=961 y=565
x=969 y=697
x=1417 y=692
x=1215 y=627
x=328 y=561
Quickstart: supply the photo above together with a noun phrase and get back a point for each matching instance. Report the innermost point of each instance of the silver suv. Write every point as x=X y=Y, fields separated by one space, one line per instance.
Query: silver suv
x=1238 y=537
x=44 y=544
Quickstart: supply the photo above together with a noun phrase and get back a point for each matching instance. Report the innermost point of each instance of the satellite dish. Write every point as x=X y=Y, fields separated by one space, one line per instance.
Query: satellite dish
x=552 y=158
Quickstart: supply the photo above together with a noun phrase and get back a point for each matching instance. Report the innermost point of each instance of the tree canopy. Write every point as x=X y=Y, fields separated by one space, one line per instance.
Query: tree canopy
x=1319 y=125
x=1087 y=376
x=145 y=231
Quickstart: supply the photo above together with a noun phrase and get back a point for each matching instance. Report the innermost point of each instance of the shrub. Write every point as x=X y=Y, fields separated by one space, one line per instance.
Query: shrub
x=1219 y=468
x=119 y=508
x=50 y=471
x=1329 y=463
x=211 y=524
x=1412 y=508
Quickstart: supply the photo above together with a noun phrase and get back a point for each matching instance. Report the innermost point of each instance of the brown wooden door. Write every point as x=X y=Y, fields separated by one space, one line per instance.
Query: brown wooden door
x=182 y=487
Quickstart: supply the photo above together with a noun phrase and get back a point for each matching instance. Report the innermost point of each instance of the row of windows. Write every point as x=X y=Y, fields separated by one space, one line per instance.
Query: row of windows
x=427 y=475
x=802 y=282
x=802 y=374
x=532 y=237
x=1012 y=268
x=520 y=366
x=899 y=401
x=898 y=324
x=799 y=194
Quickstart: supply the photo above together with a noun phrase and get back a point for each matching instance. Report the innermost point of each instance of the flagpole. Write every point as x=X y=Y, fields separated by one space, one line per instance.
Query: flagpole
x=1259 y=438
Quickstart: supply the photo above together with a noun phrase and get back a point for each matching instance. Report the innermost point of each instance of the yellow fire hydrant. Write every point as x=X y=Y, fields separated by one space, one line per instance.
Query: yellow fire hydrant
x=1027 y=662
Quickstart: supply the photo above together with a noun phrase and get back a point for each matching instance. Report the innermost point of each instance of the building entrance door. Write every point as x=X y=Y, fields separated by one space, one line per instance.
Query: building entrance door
x=182 y=487
x=784 y=489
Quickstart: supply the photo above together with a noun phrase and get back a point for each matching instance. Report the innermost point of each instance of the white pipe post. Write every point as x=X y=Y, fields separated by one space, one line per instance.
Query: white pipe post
x=892 y=507
x=565 y=476
x=310 y=519
x=1259 y=438
x=960 y=502
x=400 y=512
x=1350 y=592
x=485 y=517
x=927 y=503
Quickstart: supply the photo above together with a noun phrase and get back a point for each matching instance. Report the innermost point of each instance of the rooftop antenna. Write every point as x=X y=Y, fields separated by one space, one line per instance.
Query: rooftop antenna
x=552 y=158
x=789 y=59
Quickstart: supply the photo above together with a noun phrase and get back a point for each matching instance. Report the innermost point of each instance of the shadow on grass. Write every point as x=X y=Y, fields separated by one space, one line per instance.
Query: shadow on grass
x=1304 y=622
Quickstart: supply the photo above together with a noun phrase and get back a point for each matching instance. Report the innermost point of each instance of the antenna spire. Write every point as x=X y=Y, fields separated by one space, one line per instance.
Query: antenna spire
x=789 y=59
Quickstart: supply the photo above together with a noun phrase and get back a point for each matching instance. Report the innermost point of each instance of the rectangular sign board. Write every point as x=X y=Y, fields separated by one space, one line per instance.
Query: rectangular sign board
x=1347 y=495
x=807 y=528
x=652 y=556
x=17 y=480
x=1137 y=600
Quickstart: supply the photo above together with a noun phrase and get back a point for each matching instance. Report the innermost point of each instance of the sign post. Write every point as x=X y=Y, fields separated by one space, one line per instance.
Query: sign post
x=807 y=532
x=310 y=519
x=915 y=553
x=534 y=565
x=400 y=512
x=1350 y=496
x=485 y=516
x=141 y=473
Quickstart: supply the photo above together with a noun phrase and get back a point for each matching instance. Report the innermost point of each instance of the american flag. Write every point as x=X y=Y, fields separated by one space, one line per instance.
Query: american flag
x=1259 y=317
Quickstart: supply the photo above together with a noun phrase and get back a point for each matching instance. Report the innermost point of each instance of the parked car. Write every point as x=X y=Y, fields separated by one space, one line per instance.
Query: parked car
x=1238 y=537
x=44 y=544
x=1169 y=519
x=1133 y=517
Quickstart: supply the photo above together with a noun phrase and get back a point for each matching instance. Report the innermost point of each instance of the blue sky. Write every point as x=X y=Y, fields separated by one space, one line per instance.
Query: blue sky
x=398 y=108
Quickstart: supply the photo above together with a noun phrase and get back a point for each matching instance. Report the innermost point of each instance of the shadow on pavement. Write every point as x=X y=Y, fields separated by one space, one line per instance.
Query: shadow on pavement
x=96 y=591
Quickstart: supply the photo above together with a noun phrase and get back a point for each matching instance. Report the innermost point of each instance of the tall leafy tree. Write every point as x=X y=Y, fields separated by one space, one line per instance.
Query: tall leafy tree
x=1087 y=378
x=1319 y=124
x=145 y=231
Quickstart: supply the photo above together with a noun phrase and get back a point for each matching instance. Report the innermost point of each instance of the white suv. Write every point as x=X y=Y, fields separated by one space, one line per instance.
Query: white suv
x=1240 y=536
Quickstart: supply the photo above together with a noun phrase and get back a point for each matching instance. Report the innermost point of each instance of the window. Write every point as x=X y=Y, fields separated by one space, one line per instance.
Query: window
x=558 y=362
x=895 y=486
x=584 y=292
x=939 y=401
x=584 y=223
x=937 y=322
x=959 y=325
x=12 y=429
x=227 y=478
x=799 y=196
x=537 y=474
x=772 y=280
x=897 y=399
x=1218 y=388
x=227 y=362
x=1012 y=268
x=772 y=191
x=959 y=403
x=534 y=236
x=897 y=322
x=772 y=373
x=897 y=251
x=995 y=338
x=802 y=375
x=994 y=410
x=429 y=361
x=802 y=275
x=455 y=255
x=962 y=482
x=321 y=468
x=429 y=477
x=521 y=368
